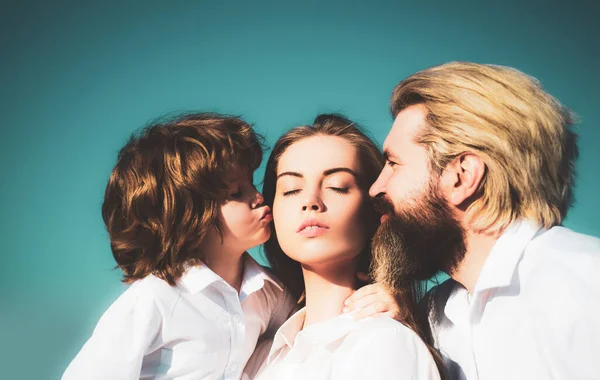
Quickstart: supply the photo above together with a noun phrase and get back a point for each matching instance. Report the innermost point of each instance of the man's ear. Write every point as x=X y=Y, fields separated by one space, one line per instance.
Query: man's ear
x=462 y=176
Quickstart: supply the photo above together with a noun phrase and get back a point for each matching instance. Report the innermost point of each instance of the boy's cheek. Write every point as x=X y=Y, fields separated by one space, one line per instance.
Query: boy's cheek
x=243 y=218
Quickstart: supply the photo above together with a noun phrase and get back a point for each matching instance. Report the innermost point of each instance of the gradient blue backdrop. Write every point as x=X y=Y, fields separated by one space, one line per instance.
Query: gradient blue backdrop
x=76 y=79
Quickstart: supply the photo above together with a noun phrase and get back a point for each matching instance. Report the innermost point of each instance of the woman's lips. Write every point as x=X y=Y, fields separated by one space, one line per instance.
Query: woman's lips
x=312 y=231
x=312 y=228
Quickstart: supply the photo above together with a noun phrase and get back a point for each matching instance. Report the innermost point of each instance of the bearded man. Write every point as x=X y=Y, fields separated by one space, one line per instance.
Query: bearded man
x=478 y=180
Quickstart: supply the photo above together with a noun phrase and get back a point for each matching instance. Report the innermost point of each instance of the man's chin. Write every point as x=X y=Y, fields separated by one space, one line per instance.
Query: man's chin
x=407 y=249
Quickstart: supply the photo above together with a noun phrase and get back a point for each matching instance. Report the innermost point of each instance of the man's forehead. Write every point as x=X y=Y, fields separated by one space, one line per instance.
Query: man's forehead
x=406 y=125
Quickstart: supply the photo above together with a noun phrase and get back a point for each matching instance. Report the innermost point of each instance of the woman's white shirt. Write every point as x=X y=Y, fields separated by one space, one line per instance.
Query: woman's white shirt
x=199 y=329
x=342 y=348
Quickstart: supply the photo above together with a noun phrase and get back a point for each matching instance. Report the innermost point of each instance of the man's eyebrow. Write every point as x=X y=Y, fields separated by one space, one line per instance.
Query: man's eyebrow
x=293 y=174
x=387 y=154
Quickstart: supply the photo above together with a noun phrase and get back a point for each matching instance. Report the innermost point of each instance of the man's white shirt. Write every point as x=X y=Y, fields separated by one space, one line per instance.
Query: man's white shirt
x=534 y=312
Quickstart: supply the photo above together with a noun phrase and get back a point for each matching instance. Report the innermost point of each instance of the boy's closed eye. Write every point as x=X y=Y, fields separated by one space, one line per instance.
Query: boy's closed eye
x=236 y=195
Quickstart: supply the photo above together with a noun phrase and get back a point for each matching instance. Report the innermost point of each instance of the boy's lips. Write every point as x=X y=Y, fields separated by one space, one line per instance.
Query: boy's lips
x=267 y=214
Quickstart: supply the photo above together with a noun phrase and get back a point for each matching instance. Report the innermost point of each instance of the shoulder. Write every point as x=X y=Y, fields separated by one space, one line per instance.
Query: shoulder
x=387 y=333
x=149 y=295
x=384 y=348
x=561 y=261
x=560 y=241
x=382 y=324
x=558 y=277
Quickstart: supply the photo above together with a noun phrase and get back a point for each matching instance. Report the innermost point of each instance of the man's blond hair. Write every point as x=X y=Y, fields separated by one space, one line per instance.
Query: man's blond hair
x=504 y=116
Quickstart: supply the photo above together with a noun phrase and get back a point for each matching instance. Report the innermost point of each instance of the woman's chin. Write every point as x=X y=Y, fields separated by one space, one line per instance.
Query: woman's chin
x=313 y=255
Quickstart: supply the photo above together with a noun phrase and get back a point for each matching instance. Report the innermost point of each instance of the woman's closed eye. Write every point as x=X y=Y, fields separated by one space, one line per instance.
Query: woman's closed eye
x=291 y=192
x=340 y=190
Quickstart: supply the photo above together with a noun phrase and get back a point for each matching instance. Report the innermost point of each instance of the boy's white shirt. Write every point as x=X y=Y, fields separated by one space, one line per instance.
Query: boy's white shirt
x=199 y=329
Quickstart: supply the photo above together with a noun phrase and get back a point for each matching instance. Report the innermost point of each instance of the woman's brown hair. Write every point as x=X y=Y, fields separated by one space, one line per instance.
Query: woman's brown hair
x=164 y=191
x=372 y=161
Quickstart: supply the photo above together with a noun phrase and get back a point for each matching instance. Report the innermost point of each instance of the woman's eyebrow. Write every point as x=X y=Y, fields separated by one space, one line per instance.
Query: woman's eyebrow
x=293 y=174
x=326 y=173
x=338 y=170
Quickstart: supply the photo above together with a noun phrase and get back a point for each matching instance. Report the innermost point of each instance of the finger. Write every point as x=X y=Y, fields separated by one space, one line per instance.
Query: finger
x=394 y=314
x=380 y=315
x=369 y=311
x=364 y=291
x=363 y=302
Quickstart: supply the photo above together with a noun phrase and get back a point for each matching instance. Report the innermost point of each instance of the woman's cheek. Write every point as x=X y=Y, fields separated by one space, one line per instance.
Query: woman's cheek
x=355 y=225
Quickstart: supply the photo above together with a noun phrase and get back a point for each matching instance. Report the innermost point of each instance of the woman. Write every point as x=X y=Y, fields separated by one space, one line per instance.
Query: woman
x=317 y=180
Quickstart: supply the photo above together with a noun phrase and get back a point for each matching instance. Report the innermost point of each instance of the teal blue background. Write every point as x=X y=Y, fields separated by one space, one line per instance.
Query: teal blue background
x=76 y=79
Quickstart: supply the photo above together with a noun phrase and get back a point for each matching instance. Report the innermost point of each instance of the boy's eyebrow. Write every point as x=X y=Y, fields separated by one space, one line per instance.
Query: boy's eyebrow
x=325 y=173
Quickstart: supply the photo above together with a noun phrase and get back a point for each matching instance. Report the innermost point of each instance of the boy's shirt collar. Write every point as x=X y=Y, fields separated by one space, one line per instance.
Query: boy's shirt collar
x=198 y=277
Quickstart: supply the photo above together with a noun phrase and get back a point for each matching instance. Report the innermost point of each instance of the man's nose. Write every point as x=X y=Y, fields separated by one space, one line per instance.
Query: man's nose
x=378 y=187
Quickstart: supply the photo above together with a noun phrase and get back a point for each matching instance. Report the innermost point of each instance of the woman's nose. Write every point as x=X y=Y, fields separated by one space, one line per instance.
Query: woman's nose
x=313 y=203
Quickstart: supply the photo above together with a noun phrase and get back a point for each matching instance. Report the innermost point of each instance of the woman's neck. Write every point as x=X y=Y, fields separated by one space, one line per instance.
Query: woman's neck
x=327 y=287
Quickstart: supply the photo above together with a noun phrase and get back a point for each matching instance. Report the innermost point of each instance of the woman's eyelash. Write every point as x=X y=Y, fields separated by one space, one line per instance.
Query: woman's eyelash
x=340 y=190
x=236 y=194
x=291 y=192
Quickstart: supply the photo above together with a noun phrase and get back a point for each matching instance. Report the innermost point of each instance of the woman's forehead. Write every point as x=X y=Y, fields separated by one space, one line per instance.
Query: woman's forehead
x=319 y=153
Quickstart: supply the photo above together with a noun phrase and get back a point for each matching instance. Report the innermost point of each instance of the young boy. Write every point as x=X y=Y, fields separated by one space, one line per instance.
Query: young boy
x=179 y=201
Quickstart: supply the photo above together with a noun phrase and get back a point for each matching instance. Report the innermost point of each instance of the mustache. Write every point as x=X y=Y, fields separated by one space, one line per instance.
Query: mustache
x=383 y=205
